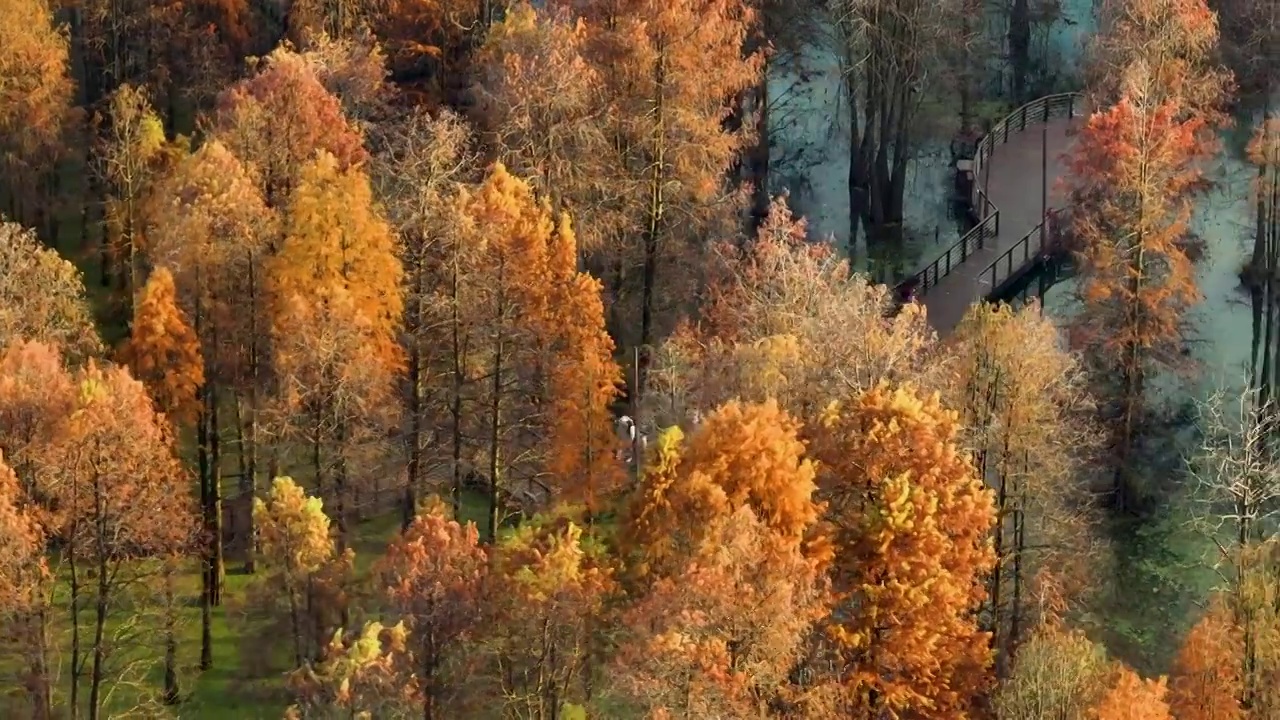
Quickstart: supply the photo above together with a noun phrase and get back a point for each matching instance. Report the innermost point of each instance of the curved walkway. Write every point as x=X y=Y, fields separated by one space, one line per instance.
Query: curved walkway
x=1008 y=168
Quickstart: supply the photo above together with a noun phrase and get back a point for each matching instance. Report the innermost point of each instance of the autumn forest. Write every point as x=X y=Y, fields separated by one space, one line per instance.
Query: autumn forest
x=459 y=359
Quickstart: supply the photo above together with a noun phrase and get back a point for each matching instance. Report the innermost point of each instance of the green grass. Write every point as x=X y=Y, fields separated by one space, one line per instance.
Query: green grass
x=229 y=689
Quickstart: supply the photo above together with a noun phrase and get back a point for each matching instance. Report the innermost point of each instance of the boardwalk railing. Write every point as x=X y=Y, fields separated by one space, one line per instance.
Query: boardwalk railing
x=1013 y=259
x=1035 y=245
x=973 y=241
x=1040 y=110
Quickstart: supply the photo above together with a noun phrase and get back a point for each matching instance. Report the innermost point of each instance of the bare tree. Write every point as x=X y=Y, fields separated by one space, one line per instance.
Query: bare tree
x=893 y=52
x=1236 y=472
x=1238 y=489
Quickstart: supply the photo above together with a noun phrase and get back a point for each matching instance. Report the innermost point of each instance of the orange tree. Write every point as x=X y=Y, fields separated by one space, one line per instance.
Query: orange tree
x=1133 y=173
x=912 y=524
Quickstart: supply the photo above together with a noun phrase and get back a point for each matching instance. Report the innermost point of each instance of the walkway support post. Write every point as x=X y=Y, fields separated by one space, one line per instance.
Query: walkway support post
x=1044 y=179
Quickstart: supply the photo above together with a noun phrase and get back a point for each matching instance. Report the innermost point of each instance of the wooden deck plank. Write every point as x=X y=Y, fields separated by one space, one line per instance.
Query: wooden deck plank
x=1015 y=188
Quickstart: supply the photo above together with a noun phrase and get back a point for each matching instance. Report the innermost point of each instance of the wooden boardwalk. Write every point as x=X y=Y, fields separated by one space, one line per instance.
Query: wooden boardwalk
x=1007 y=200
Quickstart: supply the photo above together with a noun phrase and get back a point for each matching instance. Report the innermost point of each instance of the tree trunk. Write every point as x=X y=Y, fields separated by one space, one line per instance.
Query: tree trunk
x=249 y=482
x=495 y=441
x=172 y=693
x=656 y=209
x=455 y=401
x=206 y=473
x=100 y=606
x=341 y=488
x=213 y=513
x=1020 y=48
x=40 y=684
x=295 y=622
x=495 y=405
x=77 y=665
x=413 y=480
x=760 y=154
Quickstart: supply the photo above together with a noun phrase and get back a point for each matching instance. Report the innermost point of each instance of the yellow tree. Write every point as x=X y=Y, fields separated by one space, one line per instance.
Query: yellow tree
x=42 y=296
x=433 y=575
x=1256 y=607
x=784 y=318
x=510 y=233
x=911 y=536
x=336 y=240
x=296 y=549
x=549 y=587
x=163 y=350
x=538 y=343
x=21 y=545
x=36 y=394
x=127 y=161
x=1026 y=416
x=420 y=164
x=583 y=379
x=1058 y=673
x=337 y=304
x=334 y=395
x=120 y=497
x=277 y=119
x=337 y=19
x=1177 y=40
x=24 y=584
x=357 y=677
x=540 y=103
x=727 y=560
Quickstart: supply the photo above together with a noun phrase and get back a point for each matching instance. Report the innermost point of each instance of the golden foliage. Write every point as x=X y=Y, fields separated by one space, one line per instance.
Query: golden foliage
x=433 y=575
x=1178 y=42
x=785 y=319
x=540 y=103
x=666 y=116
x=352 y=253
x=912 y=537
x=720 y=638
x=1206 y=678
x=537 y=332
x=1132 y=698
x=549 y=588
x=42 y=296
x=304 y=575
x=36 y=91
x=1028 y=421
x=118 y=473
x=163 y=350
x=277 y=120
x=741 y=456
x=22 y=563
x=358 y=677
x=1058 y=673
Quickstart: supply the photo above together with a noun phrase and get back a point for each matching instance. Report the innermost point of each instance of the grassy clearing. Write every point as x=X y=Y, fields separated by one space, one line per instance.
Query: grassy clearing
x=231 y=689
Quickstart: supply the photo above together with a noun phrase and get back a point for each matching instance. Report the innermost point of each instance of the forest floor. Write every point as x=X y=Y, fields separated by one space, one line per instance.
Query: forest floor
x=247 y=680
